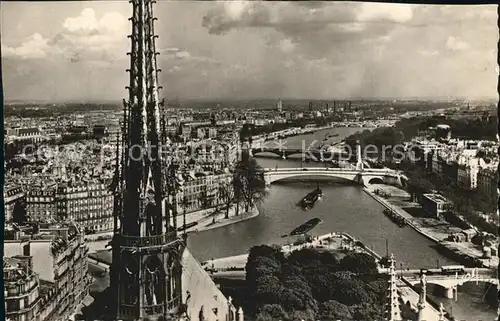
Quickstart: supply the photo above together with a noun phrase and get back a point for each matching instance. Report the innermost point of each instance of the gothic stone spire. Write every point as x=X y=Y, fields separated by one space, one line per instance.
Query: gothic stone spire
x=142 y=168
x=393 y=311
x=146 y=272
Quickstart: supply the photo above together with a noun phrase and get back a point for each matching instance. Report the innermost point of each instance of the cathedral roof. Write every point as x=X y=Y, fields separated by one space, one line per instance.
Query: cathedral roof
x=204 y=293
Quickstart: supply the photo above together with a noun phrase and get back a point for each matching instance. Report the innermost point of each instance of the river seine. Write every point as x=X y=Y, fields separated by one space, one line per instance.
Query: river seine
x=344 y=207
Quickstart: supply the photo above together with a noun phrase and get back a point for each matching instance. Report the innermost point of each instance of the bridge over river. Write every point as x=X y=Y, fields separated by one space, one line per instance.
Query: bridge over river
x=359 y=175
x=316 y=155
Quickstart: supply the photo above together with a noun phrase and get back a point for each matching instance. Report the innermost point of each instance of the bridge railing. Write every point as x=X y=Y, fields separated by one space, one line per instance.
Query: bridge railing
x=320 y=169
x=463 y=278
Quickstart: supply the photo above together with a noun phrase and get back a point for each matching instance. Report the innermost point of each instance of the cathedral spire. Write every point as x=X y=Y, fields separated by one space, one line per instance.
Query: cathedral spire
x=393 y=311
x=141 y=164
x=146 y=272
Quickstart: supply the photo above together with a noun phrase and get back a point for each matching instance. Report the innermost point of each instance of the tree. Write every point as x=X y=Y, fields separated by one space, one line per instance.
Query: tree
x=407 y=313
x=238 y=193
x=306 y=315
x=297 y=298
x=350 y=291
x=379 y=288
x=250 y=181
x=360 y=263
x=384 y=262
x=19 y=213
x=298 y=283
x=367 y=312
x=321 y=284
x=203 y=197
x=268 y=290
x=226 y=193
x=262 y=276
x=334 y=310
x=418 y=184
x=267 y=266
x=246 y=133
x=184 y=204
x=272 y=312
x=262 y=260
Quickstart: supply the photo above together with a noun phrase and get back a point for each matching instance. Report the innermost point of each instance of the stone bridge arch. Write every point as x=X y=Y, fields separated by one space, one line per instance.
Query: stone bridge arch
x=258 y=152
x=357 y=176
x=375 y=180
x=449 y=286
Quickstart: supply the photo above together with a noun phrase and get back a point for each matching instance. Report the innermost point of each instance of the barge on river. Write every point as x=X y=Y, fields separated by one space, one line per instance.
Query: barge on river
x=188 y=225
x=310 y=199
x=304 y=228
x=400 y=221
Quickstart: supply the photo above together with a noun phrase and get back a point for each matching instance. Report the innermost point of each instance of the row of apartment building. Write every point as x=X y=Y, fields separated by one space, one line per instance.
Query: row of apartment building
x=28 y=134
x=200 y=190
x=45 y=272
x=461 y=165
x=91 y=204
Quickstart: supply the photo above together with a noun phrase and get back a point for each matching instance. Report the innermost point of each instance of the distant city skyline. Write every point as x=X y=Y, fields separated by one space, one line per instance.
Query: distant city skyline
x=235 y=50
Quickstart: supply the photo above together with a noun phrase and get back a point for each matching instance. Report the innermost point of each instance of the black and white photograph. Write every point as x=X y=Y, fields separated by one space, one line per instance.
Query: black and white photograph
x=250 y=161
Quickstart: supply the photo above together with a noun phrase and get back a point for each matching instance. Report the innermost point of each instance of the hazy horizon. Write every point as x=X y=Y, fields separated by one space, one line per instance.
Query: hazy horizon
x=236 y=50
x=285 y=99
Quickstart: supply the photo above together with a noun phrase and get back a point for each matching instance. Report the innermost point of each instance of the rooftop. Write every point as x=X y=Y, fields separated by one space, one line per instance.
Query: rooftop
x=16 y=269
x=438 y=198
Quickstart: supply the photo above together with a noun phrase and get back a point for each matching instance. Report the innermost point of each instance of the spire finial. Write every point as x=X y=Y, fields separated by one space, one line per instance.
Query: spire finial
x=441 y=312
x=393 y=310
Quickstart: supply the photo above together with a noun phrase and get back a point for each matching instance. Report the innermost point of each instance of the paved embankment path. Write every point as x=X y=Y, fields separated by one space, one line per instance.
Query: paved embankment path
x=436 y=230
x=205 y=219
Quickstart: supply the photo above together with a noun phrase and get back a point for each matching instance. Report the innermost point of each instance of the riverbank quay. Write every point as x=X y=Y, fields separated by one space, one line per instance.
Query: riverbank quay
x=291 y=132
x=436 y=230
x=206 y=219
x=218 y=219
x=297 y=131
x=327 y=242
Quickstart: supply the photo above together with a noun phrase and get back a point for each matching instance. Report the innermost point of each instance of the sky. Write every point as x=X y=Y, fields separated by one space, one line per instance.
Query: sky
x=249 y=50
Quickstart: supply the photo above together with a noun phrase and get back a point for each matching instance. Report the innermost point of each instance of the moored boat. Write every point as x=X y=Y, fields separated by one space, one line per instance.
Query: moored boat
x=400 y=221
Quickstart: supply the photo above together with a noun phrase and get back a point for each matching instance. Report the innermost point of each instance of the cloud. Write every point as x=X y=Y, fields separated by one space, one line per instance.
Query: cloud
x=286 y=45
x=256 y=49
x=286 y=16
x=87 y=23
x=308 y=25
x=83 y=37
x=34 y=47
x=235 y=9
x=178 y=59
x=175 y=53
x=385 y=12
x=428 y=53
x=279 y=16
x=456 y=44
